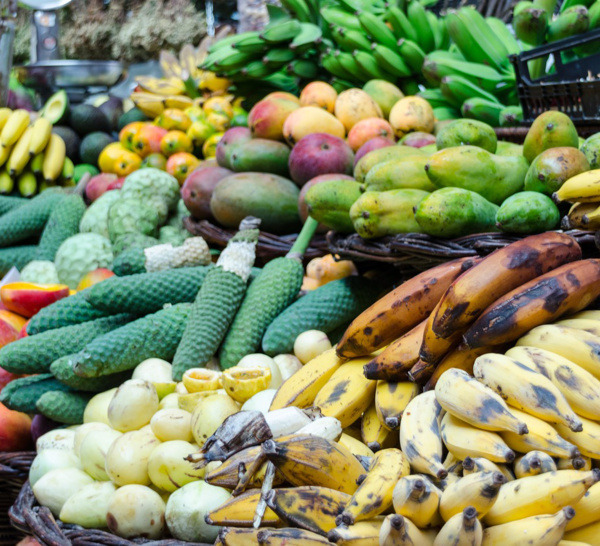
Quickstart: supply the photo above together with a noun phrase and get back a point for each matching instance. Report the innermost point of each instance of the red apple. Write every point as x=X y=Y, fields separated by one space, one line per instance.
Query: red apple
x=15 y=430
x=94 y=277
x=28 y=298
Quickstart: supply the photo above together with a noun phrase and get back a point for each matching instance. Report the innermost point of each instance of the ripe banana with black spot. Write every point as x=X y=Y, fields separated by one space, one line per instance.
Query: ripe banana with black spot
x=418 y=499
x=398 y=530
x=526 y=389
x=420 y=438
x=391 y=400
x=581 y=188
x=534 y=463
x=475 y=403
x=481 y=464
x=374 y=494
x=289 y=536
x=591 y=326
x=542 y=494
x=374 y=433
x=239 y=512
x=462 y=529
x=587 y=440
x=479 y=490
x=359 y=534
x=587 y=510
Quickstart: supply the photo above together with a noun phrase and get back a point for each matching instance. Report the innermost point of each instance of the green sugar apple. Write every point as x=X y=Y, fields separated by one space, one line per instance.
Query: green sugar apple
x=81 y=254
x=95 y=218
x=173 y=235
x=40 y=272
x=153 y=186
x=131 y=215
x=132 y=240
x=176 y=217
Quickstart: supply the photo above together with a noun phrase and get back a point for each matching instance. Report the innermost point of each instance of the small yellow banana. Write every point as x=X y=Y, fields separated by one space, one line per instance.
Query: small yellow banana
x=479 y=490
x=54 y=157
x=178 y=101
x=363 y=533
x=149 y=103
x=356 y=447
x=543 y=530
x=418 y=499
x=308 y=507
x=5 y=152
x=464 y=440
x=374 y=494
x=583 y=187
x=542 y=494
x=41 y=131
x=526 y=389
x=391 y=400
x=453 y=464
x=287 y=536
x=27 y=184
x=589 y=325
x=588 y=534
x=397 y=530
x=463 y=529
x=481 y=464
x=534 y=463
x=348 y=393
x=14 y=127
x=541 y=437
x=587 y=510
x=302 y=388
x=19 y=156
x=587 y=441
x=579 y=387
x=239 y=512
x=4 y=115
x=374 y=433
x=7 y=183
x=475 y=403
x=420 y=438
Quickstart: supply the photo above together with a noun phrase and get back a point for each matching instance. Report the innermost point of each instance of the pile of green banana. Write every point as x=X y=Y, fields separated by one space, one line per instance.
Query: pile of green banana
x=535 y=25
x=30 y=151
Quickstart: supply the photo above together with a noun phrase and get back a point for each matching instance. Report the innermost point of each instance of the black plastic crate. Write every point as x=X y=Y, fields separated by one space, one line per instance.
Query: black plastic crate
x=574 y=87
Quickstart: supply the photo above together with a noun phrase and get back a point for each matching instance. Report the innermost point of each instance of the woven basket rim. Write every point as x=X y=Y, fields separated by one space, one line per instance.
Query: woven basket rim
x=15 y=464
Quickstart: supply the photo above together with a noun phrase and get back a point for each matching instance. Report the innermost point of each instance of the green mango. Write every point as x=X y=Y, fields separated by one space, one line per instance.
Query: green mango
x=367 y=162
x=551 y=129
x=591 y=149
x=261 y=155
x=509 y=149
x=329 y=203
x=553 y=167
x=380 y=213
x=467 y=132
x=398 y=174
x=453 y=212
x=429 y=149
x=472 y=168
x=526 y=213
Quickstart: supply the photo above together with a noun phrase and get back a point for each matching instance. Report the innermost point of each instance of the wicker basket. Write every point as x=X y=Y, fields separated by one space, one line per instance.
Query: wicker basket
x=31 y=518
x=14 y=468
x=269 y=245
x=415 y=252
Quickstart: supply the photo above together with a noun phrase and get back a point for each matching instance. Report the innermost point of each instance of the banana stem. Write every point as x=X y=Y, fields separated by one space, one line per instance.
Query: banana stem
x=266 y=488
x=304 y=238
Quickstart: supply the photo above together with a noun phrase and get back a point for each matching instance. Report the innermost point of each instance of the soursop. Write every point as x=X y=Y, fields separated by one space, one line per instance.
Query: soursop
x=95 y=218
x=173 y=235
x=81 y=254
x=132 y=240
x=131 y=215
x=176 y=218
x=40 y=272
x=155 y=187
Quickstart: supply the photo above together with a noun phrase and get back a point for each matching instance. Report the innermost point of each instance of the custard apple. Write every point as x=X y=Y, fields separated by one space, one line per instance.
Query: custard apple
x=40 y=272
x=177 y=217
x=81 y=254
x=132 y=240
x=155 y=186
x=95 y=218
x=173 y=235
x=130 y=215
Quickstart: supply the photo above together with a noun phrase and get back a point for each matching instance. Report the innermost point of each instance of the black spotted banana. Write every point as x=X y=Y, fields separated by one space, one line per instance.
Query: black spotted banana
x=359 y=534
x=391 y=400
x=525 y=388
x=579 y=387
x=543 y=530
x=308 y=507
x=543 y=494
x=54 y=157
x=287 y=536
x=397 y=530
x=472 y=401
x=479 y=490
x=462 y=529
x=587 y=440
x=540 y=437
x=374 y=494
x=418 y=499
x=581 y=463
x=19 y=156
x=481 y=464
x=239 y=512
x=534 y=463
x=463 y=440
x=41 y=130
x=420 y=438
x=373 y=431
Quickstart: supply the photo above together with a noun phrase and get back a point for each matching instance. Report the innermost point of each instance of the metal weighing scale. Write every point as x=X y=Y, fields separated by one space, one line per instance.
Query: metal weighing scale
x=48 y=72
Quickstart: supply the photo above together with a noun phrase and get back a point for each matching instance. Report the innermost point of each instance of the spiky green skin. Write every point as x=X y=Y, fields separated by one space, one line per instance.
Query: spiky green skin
x=155 y=335
x=62 y=369
x=132 y=240
x=62 y=224
x=63 y=407
x=147 y=292
x=212 y=313
x=72 y=310
x=27 y=220
x=18 y=256
x=22 y=394
x=34 y=354
x=130 y=262
x=8 y=203
x=324 y=309
x=132 y=216
x=272 y=292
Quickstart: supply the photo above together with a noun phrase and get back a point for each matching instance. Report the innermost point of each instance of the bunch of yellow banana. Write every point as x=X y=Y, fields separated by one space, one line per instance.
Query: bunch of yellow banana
x=29 y=151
